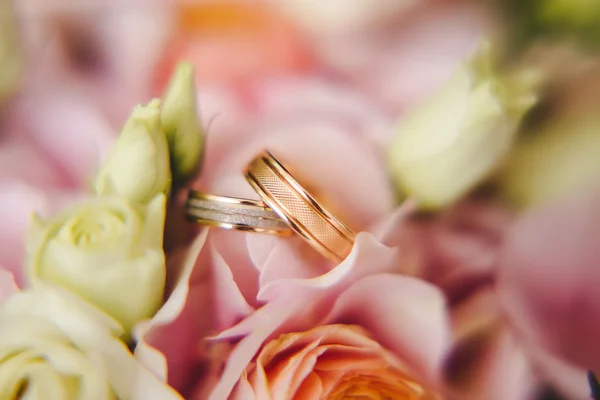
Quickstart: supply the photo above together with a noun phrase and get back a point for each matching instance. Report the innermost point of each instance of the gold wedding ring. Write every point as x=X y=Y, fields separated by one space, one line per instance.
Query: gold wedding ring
x=234 y=213
x=307 y=217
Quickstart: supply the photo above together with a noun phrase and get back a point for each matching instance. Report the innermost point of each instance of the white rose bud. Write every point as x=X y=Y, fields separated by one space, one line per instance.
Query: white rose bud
x=138 y=164
x=181 y=124
x=108 y=251
x=459 y=136
x=54 y=346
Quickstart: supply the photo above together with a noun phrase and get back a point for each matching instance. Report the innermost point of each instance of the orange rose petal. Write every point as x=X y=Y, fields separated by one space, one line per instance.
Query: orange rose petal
x=339 y=356
x=286 y=375
x=311 y=388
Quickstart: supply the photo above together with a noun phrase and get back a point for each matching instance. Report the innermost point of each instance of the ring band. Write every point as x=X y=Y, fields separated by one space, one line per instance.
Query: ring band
x=309 y=219
x=234 y=213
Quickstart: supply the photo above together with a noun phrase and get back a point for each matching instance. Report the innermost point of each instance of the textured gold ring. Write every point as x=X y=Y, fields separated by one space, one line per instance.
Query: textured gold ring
x=234 y=213
x=295 y=205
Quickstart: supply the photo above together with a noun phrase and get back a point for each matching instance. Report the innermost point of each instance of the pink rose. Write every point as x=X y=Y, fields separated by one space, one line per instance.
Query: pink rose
x=329 y=361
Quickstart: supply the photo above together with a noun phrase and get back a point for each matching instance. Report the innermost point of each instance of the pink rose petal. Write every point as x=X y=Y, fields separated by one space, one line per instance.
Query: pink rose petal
x=368 y=257
x=550 y=277
x=487 y=361
x=22 y=159
x=232 y=247
x=258 y=327
x=401 y=63
x=566 y=378
x=69 y=131
x=232 y=306
x=405 y=315
x=178 y=317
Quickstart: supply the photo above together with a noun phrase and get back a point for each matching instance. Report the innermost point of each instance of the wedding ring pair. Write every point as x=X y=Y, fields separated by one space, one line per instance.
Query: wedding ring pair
x=286 y=209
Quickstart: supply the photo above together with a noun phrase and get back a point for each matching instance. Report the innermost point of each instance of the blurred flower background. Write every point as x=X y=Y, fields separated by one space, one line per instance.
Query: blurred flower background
x=459 y=138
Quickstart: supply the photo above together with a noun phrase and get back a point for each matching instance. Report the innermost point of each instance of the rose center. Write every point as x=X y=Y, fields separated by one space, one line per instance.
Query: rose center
x=384 y=386
x=93 y=230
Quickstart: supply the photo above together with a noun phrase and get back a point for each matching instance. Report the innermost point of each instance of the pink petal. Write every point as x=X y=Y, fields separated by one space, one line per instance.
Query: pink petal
x=566 y=378
x=242 y=391
x=22 y=159
x=70 y=131
x=168 y=343
x=457 y=250
x=122 y=47
x=320 y=98
x=313 y=149
x=269 y=254
x=499 y=370
x=405 y=315
x=550 y=277
x=402 y=62
x=487 y=361
x=258 y=327
x=232 y=247
x=230 y=303
x=368 y=257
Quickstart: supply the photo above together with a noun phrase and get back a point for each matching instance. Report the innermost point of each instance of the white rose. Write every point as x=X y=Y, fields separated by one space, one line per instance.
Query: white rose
x=458 y=137
x=54 y=346
x=108 y=251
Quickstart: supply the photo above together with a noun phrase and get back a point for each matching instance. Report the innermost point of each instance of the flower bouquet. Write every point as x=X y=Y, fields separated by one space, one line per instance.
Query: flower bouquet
x=299 y=200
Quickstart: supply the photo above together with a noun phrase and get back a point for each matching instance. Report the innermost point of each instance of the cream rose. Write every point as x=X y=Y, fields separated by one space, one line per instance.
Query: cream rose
x=54 y=346
x=328 y=362
x=108 y=251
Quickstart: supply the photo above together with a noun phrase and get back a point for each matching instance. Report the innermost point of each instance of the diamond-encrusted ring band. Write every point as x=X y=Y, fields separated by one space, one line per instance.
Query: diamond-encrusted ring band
x=234 y=213
x=294 y=204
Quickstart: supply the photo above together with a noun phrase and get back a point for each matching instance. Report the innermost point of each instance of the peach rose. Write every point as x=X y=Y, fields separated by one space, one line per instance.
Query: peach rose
x=405 y=315
x=327 y=362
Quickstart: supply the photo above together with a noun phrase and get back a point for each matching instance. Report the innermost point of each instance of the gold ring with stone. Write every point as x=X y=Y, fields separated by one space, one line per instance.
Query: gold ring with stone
x=234 y=213
x=296 y=206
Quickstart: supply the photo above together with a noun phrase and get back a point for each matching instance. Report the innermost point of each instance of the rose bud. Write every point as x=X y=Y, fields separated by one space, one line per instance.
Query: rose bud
x=182 y=125
x=138 y=164
x=458 y=137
